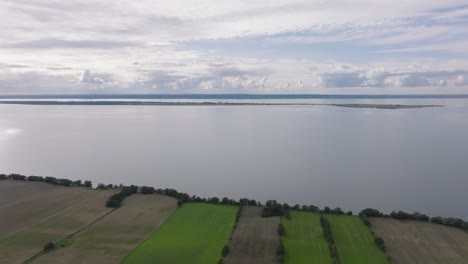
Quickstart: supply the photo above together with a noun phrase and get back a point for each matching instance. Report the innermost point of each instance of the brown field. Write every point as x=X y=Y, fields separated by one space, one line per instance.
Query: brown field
x=255 y=239
x=113 y=237
x=414 y=242
x=25 y=203
x=21 y=245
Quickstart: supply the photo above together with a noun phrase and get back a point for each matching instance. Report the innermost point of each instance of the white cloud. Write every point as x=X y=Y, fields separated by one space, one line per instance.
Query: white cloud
x=132 y=47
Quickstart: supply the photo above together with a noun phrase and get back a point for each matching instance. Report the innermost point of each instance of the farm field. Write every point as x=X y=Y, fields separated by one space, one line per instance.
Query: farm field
x=304 y=241
x=25 y=203
x=113 y=237
x=21 y=245
x=195 y=233
x=255 y=239
x=354 y=241
x=415 y=242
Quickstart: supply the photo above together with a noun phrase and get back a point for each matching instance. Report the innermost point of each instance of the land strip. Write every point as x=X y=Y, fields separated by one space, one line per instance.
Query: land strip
x=354 y=241
x=196 y=233
x=416 y=242
x=255 y=239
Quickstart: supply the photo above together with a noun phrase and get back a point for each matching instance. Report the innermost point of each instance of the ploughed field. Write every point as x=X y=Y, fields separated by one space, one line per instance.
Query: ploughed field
x=255 y=238
x=152 y=228
x=304 y=240
x=415 y=242
x=25 y=203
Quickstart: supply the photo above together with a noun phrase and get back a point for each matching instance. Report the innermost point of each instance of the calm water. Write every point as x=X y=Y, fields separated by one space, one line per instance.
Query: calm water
x=409 y=159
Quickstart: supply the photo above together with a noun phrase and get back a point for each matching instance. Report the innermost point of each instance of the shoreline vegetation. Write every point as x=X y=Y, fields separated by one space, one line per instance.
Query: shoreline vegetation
x=269 y=209
x=162 y=103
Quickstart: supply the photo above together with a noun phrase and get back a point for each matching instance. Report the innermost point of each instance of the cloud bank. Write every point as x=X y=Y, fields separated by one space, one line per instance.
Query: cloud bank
x=337 y=46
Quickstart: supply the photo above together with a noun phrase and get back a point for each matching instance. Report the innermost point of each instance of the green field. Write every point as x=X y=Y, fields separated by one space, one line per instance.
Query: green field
x=195 y=233
x=354 y=241
x=304 y=241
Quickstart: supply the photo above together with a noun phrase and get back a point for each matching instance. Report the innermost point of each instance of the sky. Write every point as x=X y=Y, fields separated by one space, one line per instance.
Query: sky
x=219 y=46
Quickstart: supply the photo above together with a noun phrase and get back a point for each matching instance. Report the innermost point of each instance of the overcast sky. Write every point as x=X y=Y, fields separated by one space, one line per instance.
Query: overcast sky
x=219 y=46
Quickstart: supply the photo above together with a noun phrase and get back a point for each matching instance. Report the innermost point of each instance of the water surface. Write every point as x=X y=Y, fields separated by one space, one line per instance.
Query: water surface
x=408 y=159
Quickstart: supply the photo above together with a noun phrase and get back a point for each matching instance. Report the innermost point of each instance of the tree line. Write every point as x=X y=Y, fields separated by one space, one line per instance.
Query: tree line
x=47 y=179
x=271 y=207
x=400 y=215
x=327 y=233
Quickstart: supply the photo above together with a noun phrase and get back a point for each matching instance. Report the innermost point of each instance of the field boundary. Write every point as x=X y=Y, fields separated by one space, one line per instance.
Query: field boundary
x=150 y=235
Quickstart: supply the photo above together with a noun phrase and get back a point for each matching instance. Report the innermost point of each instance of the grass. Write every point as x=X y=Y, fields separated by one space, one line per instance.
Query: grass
x=304 y=241
x=195 y=233
x=354 y=241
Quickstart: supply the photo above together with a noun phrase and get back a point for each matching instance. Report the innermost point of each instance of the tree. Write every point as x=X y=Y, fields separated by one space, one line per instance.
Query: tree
x=214 y=200
x=147 y=190
x=88 y=184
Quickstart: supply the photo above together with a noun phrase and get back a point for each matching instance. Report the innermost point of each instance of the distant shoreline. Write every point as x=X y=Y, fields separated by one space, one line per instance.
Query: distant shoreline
x=143 y=103
x=235 y=96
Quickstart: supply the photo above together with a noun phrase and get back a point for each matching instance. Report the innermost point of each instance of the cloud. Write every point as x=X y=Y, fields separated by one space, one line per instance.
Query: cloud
x=283 y=46
x=71 y=44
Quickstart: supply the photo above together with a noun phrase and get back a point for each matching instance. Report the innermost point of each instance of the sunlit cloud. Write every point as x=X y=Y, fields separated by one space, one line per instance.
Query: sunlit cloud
x=224 y=46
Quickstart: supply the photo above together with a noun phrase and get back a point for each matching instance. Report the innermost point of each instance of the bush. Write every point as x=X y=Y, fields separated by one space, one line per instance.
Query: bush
x=287 y=214
x=113 y=203
x=225 y=251
x=380 y=243
x=281 y=230
x=49 y=246
x=180 y=203
x=365 y=220
x=220 y=261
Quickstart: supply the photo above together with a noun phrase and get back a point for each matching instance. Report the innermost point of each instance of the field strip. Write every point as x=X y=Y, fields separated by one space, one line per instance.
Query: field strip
x=27 y=242
x=150 y=235
x=354 y=241
x=304 y=240
x=255 y=239
x=112 y=237
x=416 y=242
x=50 y=215
x=195 y=233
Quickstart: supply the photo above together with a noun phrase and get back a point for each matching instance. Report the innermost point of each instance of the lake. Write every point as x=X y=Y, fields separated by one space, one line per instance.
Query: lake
x=404 y=159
